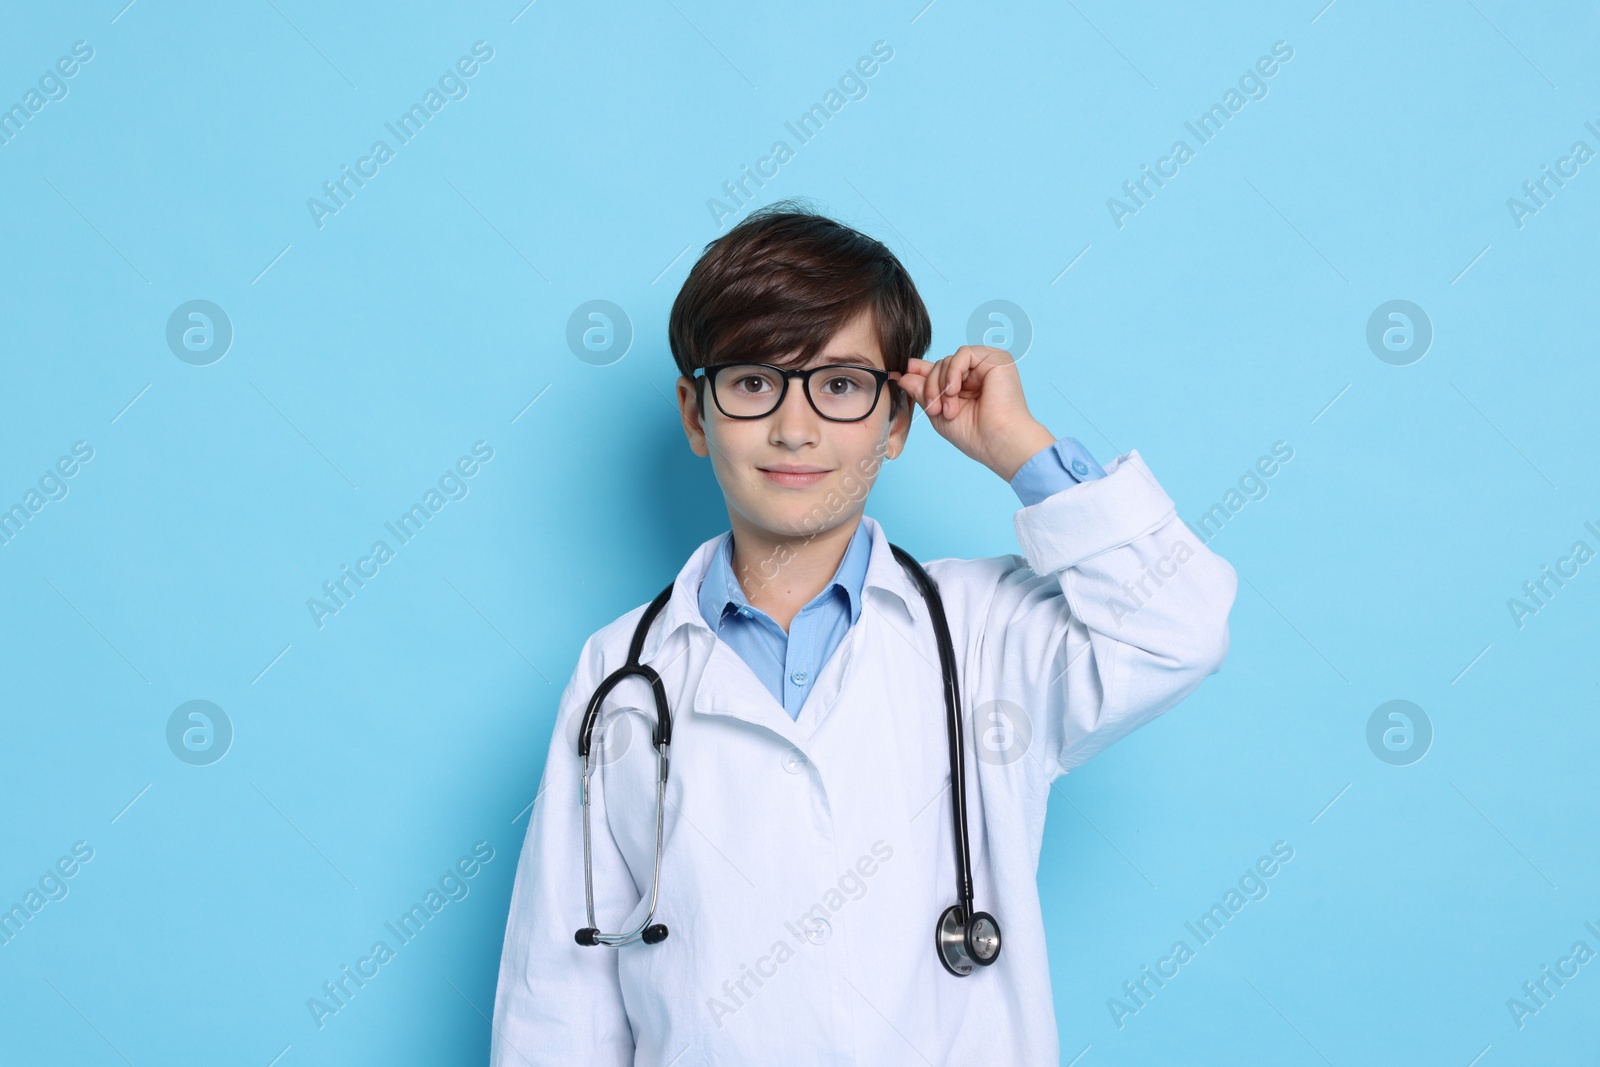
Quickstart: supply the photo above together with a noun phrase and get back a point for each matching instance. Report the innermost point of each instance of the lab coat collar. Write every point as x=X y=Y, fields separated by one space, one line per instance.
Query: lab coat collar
x=884 y=574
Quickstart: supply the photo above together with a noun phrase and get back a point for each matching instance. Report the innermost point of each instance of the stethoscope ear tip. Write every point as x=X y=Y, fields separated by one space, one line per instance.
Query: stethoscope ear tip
x=654 y=934
x=586 y=936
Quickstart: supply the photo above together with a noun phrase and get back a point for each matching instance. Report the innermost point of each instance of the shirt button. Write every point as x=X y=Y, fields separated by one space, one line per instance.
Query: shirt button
x=799 y=677
x=794 y=761
x=818 y=930
x=744 y=612
x=1080 y=467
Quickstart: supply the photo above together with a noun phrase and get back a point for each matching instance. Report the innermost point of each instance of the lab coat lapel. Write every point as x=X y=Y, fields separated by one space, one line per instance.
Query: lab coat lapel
x=831 y=682
x=890 y=600
x=729 y=687
x=888 y=595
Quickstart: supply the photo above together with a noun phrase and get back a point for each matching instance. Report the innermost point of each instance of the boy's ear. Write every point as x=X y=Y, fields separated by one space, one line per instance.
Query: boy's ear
x=900 y=413
x=693 y=416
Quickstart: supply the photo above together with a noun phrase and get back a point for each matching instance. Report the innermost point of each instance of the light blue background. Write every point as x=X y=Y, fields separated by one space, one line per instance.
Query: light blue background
x=1228 y=314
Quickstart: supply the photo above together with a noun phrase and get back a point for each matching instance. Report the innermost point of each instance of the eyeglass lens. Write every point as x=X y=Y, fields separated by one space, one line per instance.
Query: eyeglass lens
x=748 y=390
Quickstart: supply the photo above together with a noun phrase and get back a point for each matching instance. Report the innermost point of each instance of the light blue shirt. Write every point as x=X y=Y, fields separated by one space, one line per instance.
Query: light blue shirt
x=788 y=663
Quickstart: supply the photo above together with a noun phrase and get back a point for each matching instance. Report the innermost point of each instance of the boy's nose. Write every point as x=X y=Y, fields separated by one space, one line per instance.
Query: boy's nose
x=796 y=420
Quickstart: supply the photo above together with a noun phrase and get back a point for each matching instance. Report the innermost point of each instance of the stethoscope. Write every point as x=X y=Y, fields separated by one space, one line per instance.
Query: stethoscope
x=960 y=942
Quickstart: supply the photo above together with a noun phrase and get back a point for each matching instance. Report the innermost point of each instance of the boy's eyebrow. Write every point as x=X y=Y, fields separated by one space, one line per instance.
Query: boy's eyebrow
x=848 y=358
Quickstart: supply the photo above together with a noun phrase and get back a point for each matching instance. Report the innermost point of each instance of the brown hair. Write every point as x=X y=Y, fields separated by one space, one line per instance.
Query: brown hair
x=776 y=287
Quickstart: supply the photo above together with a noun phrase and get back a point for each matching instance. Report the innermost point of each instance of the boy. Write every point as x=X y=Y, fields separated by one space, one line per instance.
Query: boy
x=808 y=846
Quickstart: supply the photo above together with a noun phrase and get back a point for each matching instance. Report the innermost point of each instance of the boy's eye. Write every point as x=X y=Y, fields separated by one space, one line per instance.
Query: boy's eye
x=841 y=385
x=751 y=383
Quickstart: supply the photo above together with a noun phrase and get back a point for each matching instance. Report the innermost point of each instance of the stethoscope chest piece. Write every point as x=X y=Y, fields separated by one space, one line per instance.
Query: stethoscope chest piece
x=962 y=945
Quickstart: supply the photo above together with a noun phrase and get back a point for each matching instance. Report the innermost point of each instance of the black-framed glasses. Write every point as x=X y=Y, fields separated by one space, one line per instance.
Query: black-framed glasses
x=845 y=393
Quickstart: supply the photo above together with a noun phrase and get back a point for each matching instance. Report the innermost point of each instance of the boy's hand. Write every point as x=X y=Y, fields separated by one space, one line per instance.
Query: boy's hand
x=974 y=400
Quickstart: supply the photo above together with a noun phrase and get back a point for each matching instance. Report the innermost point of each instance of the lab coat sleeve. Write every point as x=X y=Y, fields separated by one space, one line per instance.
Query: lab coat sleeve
x=558 y=1002
x=1120 y=613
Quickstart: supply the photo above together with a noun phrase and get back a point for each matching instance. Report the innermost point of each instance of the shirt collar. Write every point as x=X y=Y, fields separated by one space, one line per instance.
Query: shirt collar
x=720 y=591
x=883 y=573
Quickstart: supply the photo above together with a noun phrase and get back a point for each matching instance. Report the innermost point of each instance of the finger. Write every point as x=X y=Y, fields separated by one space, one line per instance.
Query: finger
x=949 y=390
x=913 y=384
x=936 y=382
x=958 y=382
x=936 y=386
x=922 y=371
x=919 y=394
x=960 y=362
x=985 y=362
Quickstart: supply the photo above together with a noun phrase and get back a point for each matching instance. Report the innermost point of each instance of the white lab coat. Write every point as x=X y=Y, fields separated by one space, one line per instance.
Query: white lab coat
x=805 y=862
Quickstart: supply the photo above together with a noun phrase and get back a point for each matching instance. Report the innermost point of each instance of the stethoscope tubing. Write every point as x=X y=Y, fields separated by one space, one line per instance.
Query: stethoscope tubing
x=662 y=741
x=952 y=703
x=957 y=945
x=636 y=934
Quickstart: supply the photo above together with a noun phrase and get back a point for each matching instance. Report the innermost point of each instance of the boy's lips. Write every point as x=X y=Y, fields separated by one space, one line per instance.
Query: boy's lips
x=792 y=475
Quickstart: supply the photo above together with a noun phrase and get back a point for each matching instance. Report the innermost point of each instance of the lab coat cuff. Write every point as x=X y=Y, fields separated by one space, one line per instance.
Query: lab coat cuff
x=1073 y=525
